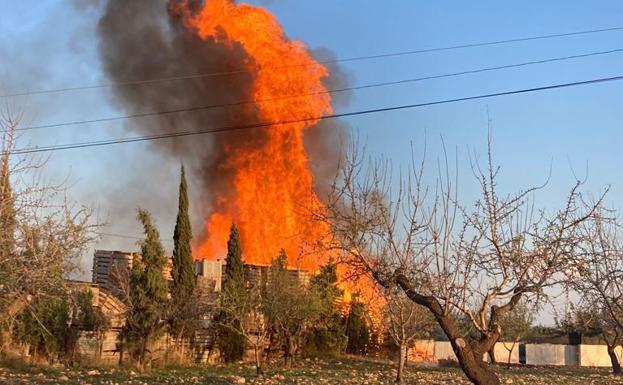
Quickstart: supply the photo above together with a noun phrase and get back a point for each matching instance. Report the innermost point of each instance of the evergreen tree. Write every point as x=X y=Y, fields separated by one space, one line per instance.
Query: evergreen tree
x=43 y=328
x=230 y=343
x=234 y=267
x=182 y=272
x=327 y=335
x=148 y=294
x=90 y=318
x=357 y=330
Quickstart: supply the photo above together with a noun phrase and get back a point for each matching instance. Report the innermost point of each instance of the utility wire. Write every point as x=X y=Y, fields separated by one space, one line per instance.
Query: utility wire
x=344 y=60
x=128 y=236
x=332 y=91
x=29 y=150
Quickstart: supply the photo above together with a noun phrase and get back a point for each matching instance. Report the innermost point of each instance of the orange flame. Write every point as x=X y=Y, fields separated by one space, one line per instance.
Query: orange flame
x=273 y=193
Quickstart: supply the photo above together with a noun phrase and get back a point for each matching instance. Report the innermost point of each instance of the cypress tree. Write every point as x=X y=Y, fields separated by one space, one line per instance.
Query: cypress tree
x=234 y=267
x=183 y=285
x=148 y=294
x=231 y=344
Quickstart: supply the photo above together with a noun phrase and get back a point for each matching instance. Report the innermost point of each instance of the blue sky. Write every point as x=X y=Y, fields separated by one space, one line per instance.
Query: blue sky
x=50 y=43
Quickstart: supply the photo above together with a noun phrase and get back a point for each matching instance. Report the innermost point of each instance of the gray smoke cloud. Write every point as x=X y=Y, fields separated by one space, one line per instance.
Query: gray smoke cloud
x=142 y=39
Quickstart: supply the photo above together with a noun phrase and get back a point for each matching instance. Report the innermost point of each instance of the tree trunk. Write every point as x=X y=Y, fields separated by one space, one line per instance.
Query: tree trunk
x=491 y=354
x=100 y=345
x=121 y=355
x=474 y=367
x=258 y=361
x=287 y=353
x=510 y=352
x=143 y=360
x=290 y=351
x=616 y=366
x=402 y=358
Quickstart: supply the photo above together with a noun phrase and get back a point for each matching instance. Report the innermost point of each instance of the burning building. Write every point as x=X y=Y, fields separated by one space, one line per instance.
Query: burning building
x=211 y=274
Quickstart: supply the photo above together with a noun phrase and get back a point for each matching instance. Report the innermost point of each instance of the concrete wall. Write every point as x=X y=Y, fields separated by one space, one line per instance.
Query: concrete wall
x=502 y=350
x=422 y=351
x=597 y=355
x=434 y=351
x=548 y=354
x=536 y=354
x=443 y=351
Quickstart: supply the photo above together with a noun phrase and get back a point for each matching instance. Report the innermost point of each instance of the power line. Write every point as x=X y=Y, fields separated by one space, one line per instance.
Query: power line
x=128 y=236
x=344 y=60
x=29 y=150
x=120 y=236
x=346 y=89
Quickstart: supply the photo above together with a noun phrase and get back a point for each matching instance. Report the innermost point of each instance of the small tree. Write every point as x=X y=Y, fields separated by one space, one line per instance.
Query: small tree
x=89 y=318
x=327 y=333
x=182 y=317
x=43 y=327
x=596 y=274
x=289 y=307
x=230 y=342
x=516 y=324
x=405 y=322
x=243 y=314
x=595 y=318
x=148 y=295
x=42 y=233
x=357 y=330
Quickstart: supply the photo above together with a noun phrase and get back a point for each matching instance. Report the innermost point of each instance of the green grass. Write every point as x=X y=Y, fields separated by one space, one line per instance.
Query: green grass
x=330 y=372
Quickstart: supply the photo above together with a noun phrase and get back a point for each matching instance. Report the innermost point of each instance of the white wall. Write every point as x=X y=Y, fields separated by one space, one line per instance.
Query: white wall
x=501 y=351
x=597 y=355
x=536 y=354
x=422 y=351
x=549 y=354
x=443 y=351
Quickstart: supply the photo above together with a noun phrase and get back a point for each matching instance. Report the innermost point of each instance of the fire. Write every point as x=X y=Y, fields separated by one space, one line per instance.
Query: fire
x=273 y=193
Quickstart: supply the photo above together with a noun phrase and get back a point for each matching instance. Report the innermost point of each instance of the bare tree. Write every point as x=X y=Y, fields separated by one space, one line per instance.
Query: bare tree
x=405 y=322
x=41 y=235
x=596 y=273
x=289 y=306
x=244 y=315
x=597 y=318
x=478 y=260
x=515 y=325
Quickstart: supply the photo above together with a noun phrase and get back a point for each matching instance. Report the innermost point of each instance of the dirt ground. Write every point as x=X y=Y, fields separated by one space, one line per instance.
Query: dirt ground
x=337 y=372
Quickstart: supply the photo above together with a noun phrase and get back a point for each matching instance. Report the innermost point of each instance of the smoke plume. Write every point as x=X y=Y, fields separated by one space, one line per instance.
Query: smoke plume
x=146 y=39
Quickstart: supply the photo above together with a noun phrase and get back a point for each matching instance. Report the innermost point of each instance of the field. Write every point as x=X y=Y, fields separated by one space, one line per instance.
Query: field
x=336 y=372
